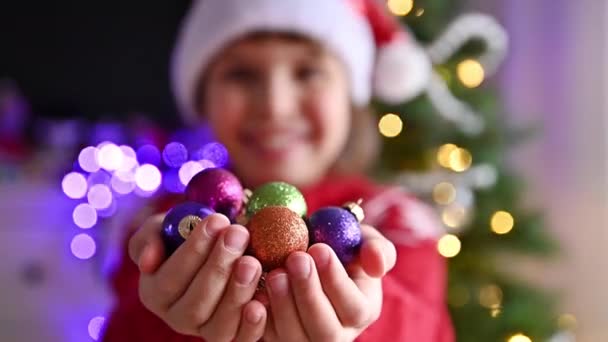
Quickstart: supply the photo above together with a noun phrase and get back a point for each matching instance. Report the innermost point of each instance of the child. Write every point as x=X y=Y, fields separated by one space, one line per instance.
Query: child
x=284 y=86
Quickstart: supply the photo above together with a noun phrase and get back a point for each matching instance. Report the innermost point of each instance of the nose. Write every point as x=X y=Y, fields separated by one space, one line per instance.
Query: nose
x=277 y=96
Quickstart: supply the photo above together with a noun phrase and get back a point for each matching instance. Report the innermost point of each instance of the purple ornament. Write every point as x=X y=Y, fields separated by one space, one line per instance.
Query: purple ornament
x=338 y=228
x=217 y=189
x=180 y=221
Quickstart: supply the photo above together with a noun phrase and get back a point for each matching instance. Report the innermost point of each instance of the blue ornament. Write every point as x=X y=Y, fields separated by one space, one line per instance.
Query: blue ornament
x=180 y=221
x=339 y=228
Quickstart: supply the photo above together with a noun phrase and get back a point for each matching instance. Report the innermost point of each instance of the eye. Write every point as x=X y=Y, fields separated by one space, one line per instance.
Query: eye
x=240 y=74
x=309 y=72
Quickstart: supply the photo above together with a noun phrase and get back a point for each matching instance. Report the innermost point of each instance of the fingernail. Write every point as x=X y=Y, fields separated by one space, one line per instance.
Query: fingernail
x=321 y=257
x=142 y=255
x=235 y=240
x=298 y=266
x=278 y=284
x=245 y=273
x=211 y=229
x=254 y=316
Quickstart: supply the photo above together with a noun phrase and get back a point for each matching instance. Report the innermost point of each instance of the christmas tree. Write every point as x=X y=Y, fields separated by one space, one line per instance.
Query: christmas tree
x=449 y=146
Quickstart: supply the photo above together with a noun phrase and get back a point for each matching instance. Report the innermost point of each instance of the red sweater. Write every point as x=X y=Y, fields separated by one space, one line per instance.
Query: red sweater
x=413 y=307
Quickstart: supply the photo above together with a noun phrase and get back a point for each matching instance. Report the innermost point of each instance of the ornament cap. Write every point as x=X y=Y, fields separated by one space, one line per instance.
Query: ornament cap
x=355 y=209
x=187 y=224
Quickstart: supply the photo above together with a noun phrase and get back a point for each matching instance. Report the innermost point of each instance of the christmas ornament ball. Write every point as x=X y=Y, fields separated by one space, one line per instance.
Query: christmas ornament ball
x=338 y=228
x=275 y=232
x=277 y=194
x=217 y=189
x=180 y=221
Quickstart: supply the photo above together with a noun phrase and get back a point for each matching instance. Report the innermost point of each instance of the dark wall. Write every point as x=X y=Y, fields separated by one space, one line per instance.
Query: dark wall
x=91 y=58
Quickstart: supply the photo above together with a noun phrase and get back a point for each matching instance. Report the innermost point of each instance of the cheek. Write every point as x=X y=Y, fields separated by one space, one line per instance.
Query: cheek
x=225 y=113
x=332 y=119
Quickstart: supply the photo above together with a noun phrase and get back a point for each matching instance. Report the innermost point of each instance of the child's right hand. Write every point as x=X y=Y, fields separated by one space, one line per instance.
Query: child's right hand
x=206 y=287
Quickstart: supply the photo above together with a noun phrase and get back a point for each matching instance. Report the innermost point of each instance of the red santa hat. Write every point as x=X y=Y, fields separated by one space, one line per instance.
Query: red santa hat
x=381 y=57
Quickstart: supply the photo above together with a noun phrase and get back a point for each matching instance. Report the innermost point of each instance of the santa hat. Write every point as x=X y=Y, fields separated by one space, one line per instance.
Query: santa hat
x=382 y=58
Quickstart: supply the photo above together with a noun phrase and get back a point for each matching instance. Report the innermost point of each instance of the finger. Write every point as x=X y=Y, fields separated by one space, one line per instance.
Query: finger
x=207 y=288
x=285 y=318
x=171 y=280
x=253 y=322
x=316 y=312
x=145 y=246
x=377 y=255
x=224 y=322
x=348 y=301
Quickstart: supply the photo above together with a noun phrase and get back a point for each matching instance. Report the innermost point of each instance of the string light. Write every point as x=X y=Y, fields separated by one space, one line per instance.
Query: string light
x=449 y=245
x=458 y=296
x=495 y=311
x=490 y=296
x=454 y=216
x=390 y=125
x=519 y=338
x=502 y=222
x=470 y=72
x=400 y=7
x=444 y=193
x=443 y=154
x=567 y=321
x=460 y=160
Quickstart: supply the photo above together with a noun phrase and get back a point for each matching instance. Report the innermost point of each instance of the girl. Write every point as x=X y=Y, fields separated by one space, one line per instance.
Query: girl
x=284 y=86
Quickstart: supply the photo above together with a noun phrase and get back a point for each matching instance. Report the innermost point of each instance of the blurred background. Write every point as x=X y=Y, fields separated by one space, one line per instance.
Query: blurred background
x=513 y=157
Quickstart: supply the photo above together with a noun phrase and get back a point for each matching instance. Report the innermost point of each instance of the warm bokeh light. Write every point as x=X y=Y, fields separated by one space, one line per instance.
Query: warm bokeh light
x=390 y=125
x=400 y=7
x=449 y=245
x=419 y=12
x=567 y=321
x=519 y=338
x=444 y=193
x=502 y=222
x=84 y=216
x=148 y=177
x=74 y=185
x=460 y=159
x=83 y=246
x=495 y=311
x=490 y=296
x=454 y=216
x=443 y=154
x=95 y=327
x=470 y=72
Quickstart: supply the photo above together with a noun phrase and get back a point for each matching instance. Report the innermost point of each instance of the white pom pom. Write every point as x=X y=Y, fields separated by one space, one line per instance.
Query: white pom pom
x=403 y=70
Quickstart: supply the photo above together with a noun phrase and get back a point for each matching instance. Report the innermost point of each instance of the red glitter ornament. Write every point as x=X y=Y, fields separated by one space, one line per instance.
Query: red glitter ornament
x=275 y=232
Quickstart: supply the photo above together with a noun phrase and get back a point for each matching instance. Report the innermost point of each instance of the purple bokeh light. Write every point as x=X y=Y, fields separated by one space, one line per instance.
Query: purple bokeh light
x=99 y=177
x=110 y=157
x=95 y=327
x=83 y=246
x=148 y=178
x=175 y=154
x=214 y=152
x=188 y=170
x=88 y=159
x=148 y=154
x=123 y=183
x=171 y=181
x=109 y=211
x=99 y=196
x=74 y=185
x=84 y=216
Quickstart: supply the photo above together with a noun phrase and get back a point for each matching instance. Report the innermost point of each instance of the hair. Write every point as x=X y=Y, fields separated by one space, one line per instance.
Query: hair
x=363 y=144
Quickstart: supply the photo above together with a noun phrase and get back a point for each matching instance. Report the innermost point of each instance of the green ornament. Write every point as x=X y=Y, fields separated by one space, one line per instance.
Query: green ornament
x=277 y=194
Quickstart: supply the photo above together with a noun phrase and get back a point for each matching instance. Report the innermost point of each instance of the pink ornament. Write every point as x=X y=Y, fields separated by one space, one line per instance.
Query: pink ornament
x=217 y=189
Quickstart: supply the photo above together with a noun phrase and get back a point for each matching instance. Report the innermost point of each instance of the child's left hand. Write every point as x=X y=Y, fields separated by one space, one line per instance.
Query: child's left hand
x=318 y=300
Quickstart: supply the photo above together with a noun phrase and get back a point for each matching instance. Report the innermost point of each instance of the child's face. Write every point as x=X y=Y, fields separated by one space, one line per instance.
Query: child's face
x=281 y=106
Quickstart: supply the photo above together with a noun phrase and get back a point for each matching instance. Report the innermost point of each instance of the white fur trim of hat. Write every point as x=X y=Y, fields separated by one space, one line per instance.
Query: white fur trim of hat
x=381 y=57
